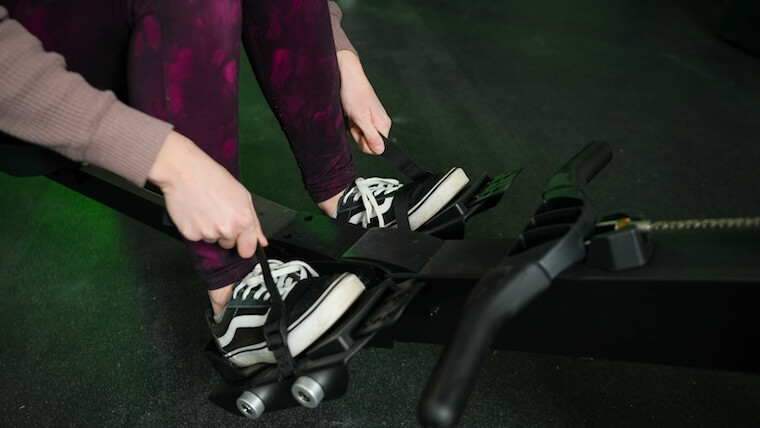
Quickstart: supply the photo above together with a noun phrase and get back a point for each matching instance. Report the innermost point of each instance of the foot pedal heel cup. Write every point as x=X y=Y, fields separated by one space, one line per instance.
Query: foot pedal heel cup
x=449 y=222
x=479 y=196
x=495 y=187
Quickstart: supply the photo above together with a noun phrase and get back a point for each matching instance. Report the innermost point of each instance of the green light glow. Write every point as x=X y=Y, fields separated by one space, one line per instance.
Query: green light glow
x=71 y=259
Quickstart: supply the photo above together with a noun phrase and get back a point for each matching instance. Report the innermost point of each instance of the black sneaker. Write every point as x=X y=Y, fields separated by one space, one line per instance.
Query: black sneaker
x=370 y=202
x=313 y=303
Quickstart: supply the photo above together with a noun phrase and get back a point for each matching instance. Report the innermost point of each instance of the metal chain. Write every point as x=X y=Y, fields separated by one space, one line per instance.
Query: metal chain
x=707 y=224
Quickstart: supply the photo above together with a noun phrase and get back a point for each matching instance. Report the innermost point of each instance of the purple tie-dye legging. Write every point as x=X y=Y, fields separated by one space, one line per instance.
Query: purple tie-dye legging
x=178 y=60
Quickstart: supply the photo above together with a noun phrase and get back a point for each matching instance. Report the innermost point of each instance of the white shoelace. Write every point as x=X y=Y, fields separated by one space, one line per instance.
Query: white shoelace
x=282 y=273
x=368 y=189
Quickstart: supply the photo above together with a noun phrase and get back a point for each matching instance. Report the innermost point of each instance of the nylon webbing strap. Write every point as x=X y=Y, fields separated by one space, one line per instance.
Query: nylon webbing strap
x=276 y=327
x=401 y=207
x=401 y=161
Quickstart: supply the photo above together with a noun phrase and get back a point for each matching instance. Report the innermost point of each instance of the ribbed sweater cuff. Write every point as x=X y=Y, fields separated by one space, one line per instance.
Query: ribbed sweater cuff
x=341 y=40
x=127 y=142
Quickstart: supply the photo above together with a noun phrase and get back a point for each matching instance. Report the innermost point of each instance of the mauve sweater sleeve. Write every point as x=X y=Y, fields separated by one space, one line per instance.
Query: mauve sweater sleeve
x=341 y=40
x=43 y=103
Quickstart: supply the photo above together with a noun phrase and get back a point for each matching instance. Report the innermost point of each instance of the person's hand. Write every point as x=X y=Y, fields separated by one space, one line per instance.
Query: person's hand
x=366 y=115
x=203 y=199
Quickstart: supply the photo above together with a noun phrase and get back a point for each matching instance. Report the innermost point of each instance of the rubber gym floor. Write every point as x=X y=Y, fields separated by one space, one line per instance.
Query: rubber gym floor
x=102 y=316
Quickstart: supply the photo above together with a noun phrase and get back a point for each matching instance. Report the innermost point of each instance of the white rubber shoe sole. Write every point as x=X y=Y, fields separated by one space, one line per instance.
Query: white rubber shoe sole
x=441 y=194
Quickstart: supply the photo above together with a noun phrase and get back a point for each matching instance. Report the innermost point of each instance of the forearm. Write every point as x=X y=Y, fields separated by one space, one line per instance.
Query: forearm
x=178 y=157
x=350 y=69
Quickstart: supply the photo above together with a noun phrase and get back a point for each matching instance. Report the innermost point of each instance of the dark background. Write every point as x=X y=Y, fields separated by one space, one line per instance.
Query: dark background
x=102 y=317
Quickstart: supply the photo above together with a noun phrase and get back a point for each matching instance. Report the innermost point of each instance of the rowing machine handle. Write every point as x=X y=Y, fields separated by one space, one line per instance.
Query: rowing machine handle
x=496 y=298
x=579 y=170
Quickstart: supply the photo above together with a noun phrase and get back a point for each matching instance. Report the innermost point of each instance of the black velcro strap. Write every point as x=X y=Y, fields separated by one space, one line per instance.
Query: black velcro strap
x=401 y=207
x=401 y=161
x=276 y=327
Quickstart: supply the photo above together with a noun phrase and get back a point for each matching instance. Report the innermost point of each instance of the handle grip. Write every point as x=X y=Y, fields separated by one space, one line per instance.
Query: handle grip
x=497 y=297
x=581 y=169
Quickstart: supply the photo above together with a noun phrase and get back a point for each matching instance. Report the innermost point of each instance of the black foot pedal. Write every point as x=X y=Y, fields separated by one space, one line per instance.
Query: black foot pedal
x=493 y=189
x=481 y=195
x=390 y=310
x=449 y=222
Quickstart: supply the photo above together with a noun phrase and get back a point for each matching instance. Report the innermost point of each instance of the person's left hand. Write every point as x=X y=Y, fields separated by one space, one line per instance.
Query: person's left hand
x=366 y=115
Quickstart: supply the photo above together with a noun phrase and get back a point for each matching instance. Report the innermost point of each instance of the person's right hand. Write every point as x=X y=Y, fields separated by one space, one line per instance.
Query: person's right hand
x=367 y=118
x=203 y=199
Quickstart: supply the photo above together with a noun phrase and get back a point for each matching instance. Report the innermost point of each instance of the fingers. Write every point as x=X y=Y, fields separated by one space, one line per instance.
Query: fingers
x=226 y=243
x=244 y=233
x=365 y=132
x=362 y=142
x=368 y=139
x=260 y=234
x=374 y=141
x=382 y=123
x=246 y=243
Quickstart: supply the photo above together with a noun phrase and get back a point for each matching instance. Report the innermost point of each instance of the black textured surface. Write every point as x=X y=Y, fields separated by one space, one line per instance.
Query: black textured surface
x=103 y=318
